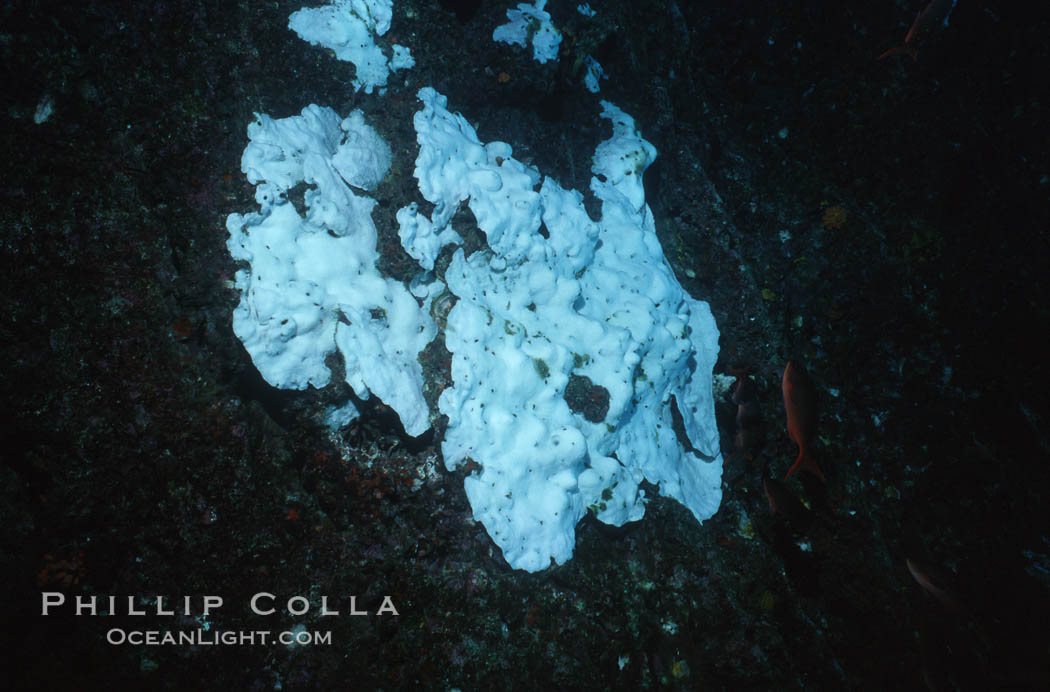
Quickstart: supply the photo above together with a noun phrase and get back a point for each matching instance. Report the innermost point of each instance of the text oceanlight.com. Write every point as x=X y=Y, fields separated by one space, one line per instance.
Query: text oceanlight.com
x=200 y=637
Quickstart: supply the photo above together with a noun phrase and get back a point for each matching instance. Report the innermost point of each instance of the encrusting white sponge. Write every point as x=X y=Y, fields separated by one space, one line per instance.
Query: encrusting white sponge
x=312 y=286
x=571 y=344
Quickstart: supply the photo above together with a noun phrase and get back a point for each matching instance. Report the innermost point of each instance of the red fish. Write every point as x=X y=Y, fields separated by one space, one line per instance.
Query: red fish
x=935 y=583
x=750 y=433
x=783 y=502
x=934 y=14
x=800 y=400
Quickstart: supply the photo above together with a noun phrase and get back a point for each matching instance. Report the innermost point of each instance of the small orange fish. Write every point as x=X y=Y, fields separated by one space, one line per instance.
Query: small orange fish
x=935 y=583
x=800 y=400
x=750 y=432
x=936 y=13
x=782 y=502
